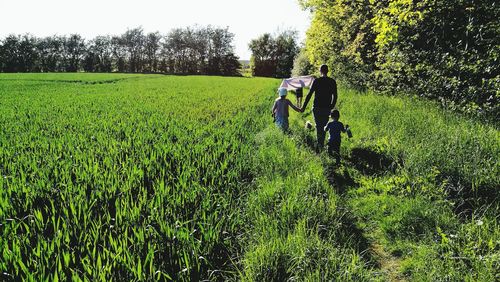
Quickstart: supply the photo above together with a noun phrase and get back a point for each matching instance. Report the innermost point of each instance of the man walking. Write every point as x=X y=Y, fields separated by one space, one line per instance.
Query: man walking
x=325 y=99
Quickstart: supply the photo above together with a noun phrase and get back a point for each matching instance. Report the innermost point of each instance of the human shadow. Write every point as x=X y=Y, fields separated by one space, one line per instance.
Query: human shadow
x=350 y=234
x=354 y=237
x=370 y=162
x=339 y=178
x=305 y=138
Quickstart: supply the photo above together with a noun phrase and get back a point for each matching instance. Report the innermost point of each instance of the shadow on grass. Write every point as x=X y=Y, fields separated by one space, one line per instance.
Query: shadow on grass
x=339 y=178
x=309 y=141
x=350 y=234
x=469 y=199
x=354 y=237
x=370 y=162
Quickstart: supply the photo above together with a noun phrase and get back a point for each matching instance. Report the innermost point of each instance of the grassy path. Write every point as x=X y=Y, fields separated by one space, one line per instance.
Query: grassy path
x=382 y=261
x=389 y=264
x=421 y=185
x=385 y=263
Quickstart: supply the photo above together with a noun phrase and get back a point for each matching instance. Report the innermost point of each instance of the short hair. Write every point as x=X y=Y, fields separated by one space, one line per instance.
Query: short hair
x=335 y=114
x=323 y=69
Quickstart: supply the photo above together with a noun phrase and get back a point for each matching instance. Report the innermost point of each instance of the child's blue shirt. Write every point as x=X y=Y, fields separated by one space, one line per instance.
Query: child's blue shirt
x=334 y=128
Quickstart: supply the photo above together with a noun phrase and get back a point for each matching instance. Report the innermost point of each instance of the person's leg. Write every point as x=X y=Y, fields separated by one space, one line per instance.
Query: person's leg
x=321 y=119
x=282 y=123
x=336 y=149
x=331 y=152
x=285 y=124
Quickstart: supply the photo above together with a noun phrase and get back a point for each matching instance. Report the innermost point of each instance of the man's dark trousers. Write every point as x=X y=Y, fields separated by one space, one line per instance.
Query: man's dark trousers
x=321 y=119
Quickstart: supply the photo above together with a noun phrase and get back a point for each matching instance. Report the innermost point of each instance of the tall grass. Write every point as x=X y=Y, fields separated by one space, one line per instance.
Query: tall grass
x=423 y=137
x=128 y=180
x=149 y=177
x=425 y=184
x=297 y=228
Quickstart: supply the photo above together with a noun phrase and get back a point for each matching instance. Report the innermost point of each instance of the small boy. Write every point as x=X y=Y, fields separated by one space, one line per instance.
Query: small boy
x=334 y=128
x=280 y=109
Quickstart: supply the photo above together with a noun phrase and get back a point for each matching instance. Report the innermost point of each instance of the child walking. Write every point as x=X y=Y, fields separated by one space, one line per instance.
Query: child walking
x=280 y=109
x=334 y=128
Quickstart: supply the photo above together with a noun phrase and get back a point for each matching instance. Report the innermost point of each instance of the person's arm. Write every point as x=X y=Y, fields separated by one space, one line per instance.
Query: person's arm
x=342 y=127
x=308 y=97
x=326 y=127
x=294 y=107
x=334 y=94
x=274 y=109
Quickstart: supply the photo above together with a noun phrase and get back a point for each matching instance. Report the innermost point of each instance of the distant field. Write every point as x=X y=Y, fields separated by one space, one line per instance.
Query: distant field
x=149 y=177
x=75 y=77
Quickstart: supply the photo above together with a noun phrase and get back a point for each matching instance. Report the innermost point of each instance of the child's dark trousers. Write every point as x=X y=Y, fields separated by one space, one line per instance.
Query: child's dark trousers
x=334 y=150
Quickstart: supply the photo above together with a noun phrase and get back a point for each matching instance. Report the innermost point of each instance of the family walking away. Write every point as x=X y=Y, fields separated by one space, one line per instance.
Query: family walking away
x=324 y=90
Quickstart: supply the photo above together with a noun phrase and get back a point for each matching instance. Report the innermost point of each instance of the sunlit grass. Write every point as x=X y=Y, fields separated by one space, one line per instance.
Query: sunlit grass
x=423 y=180
x=151 y=177
x=129 y=179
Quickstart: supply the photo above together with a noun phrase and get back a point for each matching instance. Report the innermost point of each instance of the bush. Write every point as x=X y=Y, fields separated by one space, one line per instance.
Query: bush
x=302 y=65
x=439 y=49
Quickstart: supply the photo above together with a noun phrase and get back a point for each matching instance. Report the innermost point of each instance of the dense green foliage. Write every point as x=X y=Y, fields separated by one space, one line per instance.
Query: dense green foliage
x=441 y=49
x=302 y=65
x=273 y=55
x=190 y=50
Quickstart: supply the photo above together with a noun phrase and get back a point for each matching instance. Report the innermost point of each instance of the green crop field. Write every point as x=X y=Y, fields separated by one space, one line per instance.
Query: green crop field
x=148 y=177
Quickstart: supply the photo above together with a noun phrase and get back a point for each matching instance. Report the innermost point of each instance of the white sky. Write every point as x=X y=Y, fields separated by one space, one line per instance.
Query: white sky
x=247 y=19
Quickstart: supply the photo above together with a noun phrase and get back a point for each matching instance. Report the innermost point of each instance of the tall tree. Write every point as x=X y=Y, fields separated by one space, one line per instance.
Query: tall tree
x=301 y=64
x=151 y=50
x=74 y=49
x=119 y=54
x=98 y=55
x=27 y=54
x=441 y=49
x=341 y=35
x=9 y=53
x=190 y=50
x=262 y=48
x=133 y=43
x=103 y=50
x=273 y=55
x=286 y=50
x=50 y=51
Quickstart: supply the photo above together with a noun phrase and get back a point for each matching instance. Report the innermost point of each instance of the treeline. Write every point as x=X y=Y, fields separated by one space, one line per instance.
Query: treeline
x=441 y=49
x=273 y=55
x=190 y=50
